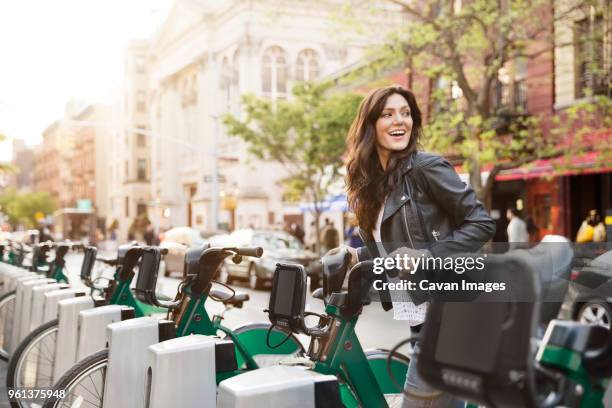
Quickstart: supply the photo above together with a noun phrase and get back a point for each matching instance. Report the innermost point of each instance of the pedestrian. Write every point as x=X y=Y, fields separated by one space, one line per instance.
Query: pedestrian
x=517 y=229
x=532 y=230
x=409 y=201
x=298 y=232
x=311 y=237
x=353 y=239
x=149 y=235
x=331 y=237
x=591 y=229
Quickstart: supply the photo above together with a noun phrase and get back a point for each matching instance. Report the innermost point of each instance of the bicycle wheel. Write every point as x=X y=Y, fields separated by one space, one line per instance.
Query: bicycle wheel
x=83 y=384
x=31 y=365
x=390 y=383
x=7 y=308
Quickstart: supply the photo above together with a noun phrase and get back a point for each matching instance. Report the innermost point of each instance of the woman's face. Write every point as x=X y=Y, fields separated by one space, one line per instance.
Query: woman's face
x=393 y=127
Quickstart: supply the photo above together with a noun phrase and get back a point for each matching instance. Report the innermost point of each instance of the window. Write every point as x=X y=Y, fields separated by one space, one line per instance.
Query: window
x=141 y=140
x=141 y=209
x=142 y=170
x=127 y=206
x=307 y=67
x=512 y=85
x=275 y=73
x=127 y=170
x=589 y=57
x=141 y=101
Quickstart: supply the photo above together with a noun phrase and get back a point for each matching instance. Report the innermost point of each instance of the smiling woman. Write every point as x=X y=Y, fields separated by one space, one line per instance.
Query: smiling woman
x=408 y=203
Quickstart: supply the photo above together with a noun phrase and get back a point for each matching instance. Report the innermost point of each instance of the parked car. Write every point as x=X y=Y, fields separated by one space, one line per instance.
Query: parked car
x=589 y=297
x=177 y=241
x=278 y=246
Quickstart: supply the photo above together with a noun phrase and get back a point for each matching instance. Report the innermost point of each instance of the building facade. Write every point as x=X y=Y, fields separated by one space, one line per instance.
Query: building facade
x=204 y=57
x=128 y=171
x=52 y=171
x=559 y=193
x=91 y=132
x=23 y=161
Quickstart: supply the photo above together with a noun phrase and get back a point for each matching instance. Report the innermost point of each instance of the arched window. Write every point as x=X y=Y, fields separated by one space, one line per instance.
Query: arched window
x=274 y=73
x=307 y=66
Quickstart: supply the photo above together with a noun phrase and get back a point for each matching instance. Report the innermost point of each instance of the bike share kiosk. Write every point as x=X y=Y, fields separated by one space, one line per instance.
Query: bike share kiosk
x=81 y=334
x=484 y=351
x=199 y=358
x=128 y=343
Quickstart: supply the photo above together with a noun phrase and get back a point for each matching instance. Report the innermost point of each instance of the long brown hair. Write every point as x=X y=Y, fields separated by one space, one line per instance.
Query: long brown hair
x=367 y=183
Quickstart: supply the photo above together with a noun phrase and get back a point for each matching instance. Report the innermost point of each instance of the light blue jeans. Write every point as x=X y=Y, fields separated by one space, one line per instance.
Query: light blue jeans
x=418 y=394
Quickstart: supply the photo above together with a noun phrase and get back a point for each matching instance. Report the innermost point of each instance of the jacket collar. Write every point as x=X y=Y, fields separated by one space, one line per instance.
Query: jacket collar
x=400 y=194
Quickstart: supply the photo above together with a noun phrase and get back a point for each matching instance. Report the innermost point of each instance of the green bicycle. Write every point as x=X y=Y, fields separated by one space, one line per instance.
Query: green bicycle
x=352 y=377
x=39 y=346
x=190 y=316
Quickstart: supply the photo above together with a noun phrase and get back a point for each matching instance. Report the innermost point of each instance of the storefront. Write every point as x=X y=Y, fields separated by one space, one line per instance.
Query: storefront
x=557 y=193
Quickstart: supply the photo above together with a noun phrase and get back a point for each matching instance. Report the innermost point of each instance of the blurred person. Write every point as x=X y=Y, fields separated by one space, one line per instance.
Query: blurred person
x=517 y=229
x=311 y=237
x=384 y=169
x=533 y=230
x=352 y=233
x=330 y=236
x=149 y=235
x=591 y=229
x=297 y=231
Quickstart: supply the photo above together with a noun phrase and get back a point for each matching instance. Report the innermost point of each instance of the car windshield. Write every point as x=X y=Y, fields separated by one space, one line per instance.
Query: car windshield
x=276 y=241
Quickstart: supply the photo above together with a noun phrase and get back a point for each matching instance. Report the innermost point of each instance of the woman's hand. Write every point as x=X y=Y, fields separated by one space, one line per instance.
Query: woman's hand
x=351 y=250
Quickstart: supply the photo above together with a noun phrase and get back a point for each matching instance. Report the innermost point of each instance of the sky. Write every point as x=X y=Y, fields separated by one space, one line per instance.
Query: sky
x=52 y=51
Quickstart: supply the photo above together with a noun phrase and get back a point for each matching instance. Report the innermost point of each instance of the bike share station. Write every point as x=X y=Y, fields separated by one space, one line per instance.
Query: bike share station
x=119 y=344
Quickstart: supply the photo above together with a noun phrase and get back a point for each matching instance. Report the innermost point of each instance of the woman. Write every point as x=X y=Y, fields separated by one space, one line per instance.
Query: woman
x=407 y=200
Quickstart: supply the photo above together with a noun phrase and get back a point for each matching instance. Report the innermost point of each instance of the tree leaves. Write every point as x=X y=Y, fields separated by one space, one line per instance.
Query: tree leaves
x=305 y=134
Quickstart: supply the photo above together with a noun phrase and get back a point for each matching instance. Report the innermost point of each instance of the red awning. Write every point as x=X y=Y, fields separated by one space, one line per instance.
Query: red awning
x=587 y=163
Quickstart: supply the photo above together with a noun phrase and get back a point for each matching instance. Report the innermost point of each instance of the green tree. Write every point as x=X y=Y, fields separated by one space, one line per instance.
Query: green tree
x=21 y=208
x=306 y=135
x=467 y=50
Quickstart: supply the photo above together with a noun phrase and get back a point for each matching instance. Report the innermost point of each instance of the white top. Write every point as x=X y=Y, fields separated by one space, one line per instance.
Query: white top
x=517 y=230
x=403 y=307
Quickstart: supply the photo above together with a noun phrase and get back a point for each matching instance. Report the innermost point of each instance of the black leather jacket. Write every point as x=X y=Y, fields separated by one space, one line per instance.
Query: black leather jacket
x=432 y=209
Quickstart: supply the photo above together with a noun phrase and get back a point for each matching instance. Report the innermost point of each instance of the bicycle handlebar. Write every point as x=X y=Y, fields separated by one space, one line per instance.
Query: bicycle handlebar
x=255 y=252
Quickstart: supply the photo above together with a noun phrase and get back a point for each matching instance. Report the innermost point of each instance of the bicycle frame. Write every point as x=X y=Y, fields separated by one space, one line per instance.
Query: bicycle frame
x=342 y=355
x=122 y=295
x=194 y=319
x=335 y=348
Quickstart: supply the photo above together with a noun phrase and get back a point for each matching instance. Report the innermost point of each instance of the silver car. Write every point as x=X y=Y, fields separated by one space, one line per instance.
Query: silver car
x=278 y=246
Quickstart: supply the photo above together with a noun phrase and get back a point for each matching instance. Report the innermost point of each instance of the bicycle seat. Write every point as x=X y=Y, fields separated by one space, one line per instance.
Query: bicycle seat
x=192 y=259
x=334 y=271
x=61 y=250
x=122 y=250
x=227 y=299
